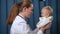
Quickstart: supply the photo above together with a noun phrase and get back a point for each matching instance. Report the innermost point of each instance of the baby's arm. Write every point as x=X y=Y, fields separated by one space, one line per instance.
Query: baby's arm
x=41 y=24
x=44 y=22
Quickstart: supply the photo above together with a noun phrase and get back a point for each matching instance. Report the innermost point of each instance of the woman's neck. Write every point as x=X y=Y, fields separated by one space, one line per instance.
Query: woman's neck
x=21 y=14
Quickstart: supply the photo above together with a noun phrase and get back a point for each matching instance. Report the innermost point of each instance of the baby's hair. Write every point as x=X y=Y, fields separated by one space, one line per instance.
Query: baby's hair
x=49 y=8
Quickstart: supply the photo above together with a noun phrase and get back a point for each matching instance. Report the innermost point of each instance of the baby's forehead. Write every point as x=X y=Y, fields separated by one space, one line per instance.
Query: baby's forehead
x=46 y=9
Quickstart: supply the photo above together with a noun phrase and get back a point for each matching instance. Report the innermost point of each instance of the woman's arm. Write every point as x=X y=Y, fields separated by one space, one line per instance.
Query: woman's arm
x=48 y=26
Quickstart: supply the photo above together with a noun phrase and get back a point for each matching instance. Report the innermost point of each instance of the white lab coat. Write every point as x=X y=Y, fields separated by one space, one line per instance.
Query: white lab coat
x=20 y=26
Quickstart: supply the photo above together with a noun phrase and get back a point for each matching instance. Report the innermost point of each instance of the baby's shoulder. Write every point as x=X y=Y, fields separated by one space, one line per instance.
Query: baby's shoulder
x=50 y=17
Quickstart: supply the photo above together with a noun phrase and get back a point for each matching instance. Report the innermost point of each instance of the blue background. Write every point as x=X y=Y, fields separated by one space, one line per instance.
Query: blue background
x=6 y=5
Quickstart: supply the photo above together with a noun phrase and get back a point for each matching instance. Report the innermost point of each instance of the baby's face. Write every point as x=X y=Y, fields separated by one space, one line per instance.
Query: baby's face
x=45 y=12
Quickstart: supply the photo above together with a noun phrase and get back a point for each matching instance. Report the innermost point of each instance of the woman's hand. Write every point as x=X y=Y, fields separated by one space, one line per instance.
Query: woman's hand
x=48 y=26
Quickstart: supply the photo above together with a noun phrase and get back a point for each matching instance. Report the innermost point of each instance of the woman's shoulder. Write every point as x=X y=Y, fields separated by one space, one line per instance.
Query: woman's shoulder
x=18 y=19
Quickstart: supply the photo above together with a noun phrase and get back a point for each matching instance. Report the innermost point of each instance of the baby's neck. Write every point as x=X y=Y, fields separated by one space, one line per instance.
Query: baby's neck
x=46 y=16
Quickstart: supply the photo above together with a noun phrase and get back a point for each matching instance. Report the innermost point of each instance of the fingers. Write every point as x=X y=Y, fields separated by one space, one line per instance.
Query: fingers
x=48 y=26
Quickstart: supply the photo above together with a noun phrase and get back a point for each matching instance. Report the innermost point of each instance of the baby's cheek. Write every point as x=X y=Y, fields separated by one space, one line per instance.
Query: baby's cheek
x=42 y=15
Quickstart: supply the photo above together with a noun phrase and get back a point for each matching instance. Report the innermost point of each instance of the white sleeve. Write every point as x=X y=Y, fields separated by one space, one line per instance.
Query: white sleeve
x=43 y=23
x=40 y=32
x=23 y=28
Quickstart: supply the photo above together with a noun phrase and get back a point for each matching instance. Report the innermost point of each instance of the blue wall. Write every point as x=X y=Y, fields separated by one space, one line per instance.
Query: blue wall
x=5 y=7
x=58 y=12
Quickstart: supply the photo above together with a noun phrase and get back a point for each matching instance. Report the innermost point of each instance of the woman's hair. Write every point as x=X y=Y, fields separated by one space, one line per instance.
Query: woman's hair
x=16 y=9
x=49 y=8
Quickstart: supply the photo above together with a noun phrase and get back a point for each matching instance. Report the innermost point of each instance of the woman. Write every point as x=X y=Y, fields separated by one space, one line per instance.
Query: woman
x=18 y=14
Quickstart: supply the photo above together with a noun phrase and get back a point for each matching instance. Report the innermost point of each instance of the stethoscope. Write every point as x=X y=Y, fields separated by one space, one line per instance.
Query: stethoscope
x=23 y=18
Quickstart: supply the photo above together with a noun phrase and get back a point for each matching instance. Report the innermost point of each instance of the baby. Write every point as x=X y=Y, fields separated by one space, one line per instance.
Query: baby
x=46 y=18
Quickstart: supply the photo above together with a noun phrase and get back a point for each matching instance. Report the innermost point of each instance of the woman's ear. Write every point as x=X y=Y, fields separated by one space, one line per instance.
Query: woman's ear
x=24 y=9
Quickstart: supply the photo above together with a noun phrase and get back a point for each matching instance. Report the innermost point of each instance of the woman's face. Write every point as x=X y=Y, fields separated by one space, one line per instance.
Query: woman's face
x=29 y=11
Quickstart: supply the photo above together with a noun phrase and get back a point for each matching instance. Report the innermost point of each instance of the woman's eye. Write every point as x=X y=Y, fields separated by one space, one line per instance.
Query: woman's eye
x=31 y=10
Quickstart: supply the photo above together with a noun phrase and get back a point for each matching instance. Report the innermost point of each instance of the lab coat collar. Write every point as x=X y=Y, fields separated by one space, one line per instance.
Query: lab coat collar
x=21 y=16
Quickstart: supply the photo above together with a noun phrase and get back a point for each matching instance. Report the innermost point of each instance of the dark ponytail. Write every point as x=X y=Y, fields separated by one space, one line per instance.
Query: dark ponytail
x=14 y=12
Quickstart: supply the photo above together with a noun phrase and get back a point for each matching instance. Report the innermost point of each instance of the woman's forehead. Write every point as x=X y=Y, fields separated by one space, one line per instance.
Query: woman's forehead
x=31 y=7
